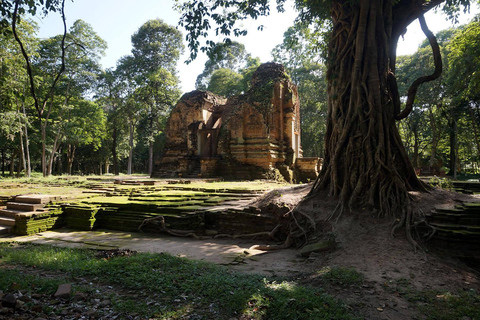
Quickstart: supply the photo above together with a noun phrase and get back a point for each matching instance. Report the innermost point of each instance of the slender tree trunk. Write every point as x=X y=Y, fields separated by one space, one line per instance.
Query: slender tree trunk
x=475 y=131
x=22 y=153
x=130 y=144
x=435 y=139
x=150 y=158
x=44 y=149
x=3 y=162
x=27 y=144
x=453 y=144
x=416 y=147
x=114 y=150
x=12 y=163
x=56 y=145
x=70 y=157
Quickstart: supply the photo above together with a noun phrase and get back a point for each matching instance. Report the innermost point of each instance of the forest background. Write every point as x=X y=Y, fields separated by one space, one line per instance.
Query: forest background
x=97 y=120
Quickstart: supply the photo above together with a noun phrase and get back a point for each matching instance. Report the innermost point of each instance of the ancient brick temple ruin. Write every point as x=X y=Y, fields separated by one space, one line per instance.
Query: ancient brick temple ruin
x=250 y=136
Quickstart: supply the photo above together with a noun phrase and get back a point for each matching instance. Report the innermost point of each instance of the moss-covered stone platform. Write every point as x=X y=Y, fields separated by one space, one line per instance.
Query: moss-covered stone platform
x=200 y=208
x=457 y=230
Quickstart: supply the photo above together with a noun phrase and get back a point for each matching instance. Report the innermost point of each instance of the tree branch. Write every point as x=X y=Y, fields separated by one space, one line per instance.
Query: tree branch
x=62 y=66
x=24 y=53
x=437 y=57
x=39 y=109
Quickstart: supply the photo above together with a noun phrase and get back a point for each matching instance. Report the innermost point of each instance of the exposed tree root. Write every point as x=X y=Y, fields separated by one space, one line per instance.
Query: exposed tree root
x=285 y=245
x=173 y=232
x=191 y=233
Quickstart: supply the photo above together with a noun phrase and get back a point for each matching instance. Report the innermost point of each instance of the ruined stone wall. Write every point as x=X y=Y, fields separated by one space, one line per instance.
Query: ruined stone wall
x=193 y=111
x=254 y=135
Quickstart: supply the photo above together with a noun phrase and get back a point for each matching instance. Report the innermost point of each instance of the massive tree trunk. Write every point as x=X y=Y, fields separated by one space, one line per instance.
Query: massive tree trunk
x=366 y=164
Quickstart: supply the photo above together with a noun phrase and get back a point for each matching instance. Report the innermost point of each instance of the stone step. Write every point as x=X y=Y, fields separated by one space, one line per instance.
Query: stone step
x=7 y=221
x=33 y=198
x=4 y=230
x=9 y=212
x=24 y=206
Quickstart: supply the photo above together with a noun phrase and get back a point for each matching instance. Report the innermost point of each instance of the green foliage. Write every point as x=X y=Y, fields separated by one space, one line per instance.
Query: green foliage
x=230 y=55
x=156 y=45
x=201 y=286
x=464 y=59
x=225 y=82
x=299 y=53
x=342 y=276
x=200 y=16
x=444 y=111
x=443 y=183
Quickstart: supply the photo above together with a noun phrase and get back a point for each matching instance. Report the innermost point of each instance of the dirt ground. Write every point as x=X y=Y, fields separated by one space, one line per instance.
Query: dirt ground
x=363 y=243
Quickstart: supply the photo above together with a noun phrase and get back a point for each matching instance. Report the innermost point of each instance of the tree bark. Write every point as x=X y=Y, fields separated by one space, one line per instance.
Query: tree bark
x=150 y=158
x=366 y=164
x=453 y=144
x=44 y=148
x=416 y=148
x=12 y=163
x=22 y=155
x=56 y=145
x=130 y=144
x=114 y=150
x=70 y=157
x=475 y=130
x=27 y=144
x=435 y=139
x=3 y=162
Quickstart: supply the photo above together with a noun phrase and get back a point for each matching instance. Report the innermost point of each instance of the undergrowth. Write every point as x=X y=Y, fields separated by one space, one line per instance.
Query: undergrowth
x=436 y=304
x=183 y=286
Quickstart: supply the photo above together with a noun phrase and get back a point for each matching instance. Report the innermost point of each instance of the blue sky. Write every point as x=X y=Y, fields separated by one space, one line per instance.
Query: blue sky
x=116 y=20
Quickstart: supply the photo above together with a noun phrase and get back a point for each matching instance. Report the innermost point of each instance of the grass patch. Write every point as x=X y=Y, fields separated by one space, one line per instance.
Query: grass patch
x=183 y=287
x=341 y=275
x=438 y=305
x=15 y=279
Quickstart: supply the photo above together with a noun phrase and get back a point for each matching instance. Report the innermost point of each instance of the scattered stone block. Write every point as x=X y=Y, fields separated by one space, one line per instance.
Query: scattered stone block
x=79 y=296
x=9 y=301
x=63 y=291
x=19 y=304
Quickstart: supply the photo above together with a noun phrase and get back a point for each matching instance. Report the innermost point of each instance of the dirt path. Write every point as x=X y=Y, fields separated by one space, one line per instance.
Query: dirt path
x=235 y=253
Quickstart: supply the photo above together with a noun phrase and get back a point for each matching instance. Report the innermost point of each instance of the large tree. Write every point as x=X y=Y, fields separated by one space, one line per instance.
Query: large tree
x=299 y=54
x=157 y=47
x=230 y=55
x=365 y=164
